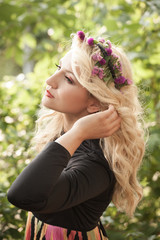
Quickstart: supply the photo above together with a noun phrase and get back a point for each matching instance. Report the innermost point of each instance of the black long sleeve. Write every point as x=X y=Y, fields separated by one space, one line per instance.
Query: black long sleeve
x=33 y=186
x=54 y=184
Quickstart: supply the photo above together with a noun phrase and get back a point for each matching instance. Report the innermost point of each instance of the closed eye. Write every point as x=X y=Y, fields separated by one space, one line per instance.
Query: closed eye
x=70 y=81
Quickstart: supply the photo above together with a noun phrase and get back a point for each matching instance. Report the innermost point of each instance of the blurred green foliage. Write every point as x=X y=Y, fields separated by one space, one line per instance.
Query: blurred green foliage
x=33 y=38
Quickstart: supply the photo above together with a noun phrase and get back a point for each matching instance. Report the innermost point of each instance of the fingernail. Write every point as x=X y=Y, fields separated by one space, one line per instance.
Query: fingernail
x=111 y=106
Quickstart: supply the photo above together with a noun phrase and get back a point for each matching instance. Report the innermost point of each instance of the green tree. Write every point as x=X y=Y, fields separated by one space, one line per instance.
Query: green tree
x=33 y=38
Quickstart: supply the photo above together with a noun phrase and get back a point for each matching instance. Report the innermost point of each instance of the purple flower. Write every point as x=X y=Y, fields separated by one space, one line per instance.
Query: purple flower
x=129 y=81
x=108 y=51
x=120 y=80
x=97 y=57
x=81 y=35
x=102 y=61
x=109 y=44
x=101 y=40
x=90 y=41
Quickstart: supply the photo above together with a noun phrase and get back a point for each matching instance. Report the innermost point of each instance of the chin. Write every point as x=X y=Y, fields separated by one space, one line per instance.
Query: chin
x=46 y=103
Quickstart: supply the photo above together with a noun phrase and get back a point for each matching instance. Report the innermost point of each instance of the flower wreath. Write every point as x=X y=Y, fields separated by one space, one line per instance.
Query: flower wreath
x=105 y=61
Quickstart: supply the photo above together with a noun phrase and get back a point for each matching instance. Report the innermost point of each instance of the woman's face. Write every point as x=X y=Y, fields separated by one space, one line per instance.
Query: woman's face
x=64 y=93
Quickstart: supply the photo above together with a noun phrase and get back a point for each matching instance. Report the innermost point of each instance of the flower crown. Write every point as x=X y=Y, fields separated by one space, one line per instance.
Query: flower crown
x=107 y=64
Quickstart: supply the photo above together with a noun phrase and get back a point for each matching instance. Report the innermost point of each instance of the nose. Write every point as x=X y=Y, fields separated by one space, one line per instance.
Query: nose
x=53 y=81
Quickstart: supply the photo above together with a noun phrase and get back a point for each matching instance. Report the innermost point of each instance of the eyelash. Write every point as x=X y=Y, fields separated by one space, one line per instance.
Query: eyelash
x=69 y=80
x=58 y=66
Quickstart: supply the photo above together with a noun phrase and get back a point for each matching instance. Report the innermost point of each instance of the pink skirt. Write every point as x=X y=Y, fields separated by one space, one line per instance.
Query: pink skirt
x=37 y=230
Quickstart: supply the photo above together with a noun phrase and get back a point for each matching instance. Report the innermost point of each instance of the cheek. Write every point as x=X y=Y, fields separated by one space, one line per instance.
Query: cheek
x=80 y=95
x=77 y=97
x=80 y=101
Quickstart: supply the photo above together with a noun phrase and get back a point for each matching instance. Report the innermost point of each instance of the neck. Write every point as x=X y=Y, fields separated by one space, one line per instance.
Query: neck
x=69 y=121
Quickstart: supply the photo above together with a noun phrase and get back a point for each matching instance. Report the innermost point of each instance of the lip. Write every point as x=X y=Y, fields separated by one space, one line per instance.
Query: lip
x=48 y=94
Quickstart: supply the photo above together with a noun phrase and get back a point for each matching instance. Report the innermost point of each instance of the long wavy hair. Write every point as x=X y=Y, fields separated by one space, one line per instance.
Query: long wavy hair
x=123 y=150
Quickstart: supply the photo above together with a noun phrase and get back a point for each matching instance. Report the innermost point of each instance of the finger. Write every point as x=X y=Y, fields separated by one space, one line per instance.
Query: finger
x=106 y=113
x=114 y=116
x=113 y=130
x=115 y=124
x=111 y=108
x=109 y=115
x=117 y=121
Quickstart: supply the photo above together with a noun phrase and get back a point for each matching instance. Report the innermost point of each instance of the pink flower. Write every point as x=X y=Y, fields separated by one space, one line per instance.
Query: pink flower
x=90 y=41
x=129 y=81
x=97 y=57
x=109 y=44
x=101 y=73
x=81 y=35
x=120 y=80
x=95 y=70
x=102 y=61
x=108 y=51
x=98 y=71
x=101 y=40
x=118 y=67
x=115 y=56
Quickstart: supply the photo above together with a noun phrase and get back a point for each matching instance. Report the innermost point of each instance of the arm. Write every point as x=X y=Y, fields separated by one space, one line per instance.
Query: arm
x=44 y=187
x=43 y=183
x=33 y=186
x=97 y=125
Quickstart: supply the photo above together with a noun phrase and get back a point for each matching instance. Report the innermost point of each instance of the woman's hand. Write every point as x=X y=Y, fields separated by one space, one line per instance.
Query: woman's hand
x=96 y=125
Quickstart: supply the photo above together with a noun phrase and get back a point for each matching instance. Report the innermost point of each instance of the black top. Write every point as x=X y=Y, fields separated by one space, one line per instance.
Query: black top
x=70 y=192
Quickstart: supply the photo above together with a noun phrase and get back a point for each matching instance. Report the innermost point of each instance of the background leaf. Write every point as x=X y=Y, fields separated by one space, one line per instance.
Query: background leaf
x=34 y=36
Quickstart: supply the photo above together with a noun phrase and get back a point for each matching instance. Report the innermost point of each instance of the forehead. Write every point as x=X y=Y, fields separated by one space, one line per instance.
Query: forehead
x=66 y=60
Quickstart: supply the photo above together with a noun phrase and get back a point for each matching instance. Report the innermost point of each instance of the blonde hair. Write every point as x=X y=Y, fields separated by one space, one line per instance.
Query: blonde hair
x=123 y=150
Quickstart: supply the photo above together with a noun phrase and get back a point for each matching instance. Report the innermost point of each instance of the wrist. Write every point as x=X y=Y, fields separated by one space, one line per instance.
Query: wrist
x=71 y=140
x=78 y=133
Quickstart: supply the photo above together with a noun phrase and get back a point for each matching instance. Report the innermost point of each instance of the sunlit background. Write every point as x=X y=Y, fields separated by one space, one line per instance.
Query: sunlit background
x=34 y=35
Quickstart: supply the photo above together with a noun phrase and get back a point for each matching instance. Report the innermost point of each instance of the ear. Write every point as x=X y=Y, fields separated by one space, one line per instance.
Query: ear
x=93 y=105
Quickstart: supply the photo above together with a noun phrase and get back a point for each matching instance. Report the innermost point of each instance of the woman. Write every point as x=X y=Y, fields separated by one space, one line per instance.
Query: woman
x=91 y=146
